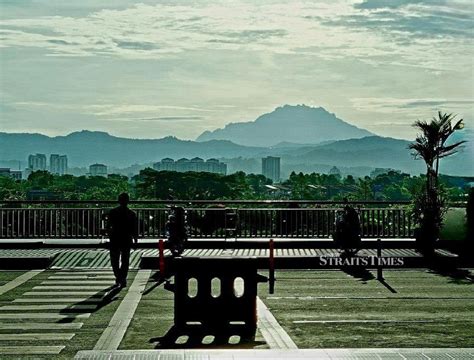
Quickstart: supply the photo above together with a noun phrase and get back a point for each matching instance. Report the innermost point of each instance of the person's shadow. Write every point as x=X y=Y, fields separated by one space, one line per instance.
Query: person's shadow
x=91 y=304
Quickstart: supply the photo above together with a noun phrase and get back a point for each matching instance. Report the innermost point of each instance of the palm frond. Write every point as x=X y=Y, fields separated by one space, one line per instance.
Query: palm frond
x=449 y=150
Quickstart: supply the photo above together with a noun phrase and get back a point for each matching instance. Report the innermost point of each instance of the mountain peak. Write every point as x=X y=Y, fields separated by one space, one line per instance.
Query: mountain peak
x=88 y=133
x=299 y=107
x=288 y=123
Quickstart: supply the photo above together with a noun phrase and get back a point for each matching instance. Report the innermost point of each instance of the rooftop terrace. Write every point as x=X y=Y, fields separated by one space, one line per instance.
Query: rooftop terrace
x=59 y=304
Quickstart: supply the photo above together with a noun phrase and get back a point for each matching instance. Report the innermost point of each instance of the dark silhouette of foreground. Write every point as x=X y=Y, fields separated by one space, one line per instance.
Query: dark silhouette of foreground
x=123 y=231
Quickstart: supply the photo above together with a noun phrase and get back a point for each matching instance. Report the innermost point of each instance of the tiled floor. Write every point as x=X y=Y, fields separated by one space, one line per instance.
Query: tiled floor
x=42 y=313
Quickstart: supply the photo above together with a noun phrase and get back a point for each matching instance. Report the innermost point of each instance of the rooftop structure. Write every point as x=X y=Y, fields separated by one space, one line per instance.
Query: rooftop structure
x=196 y=164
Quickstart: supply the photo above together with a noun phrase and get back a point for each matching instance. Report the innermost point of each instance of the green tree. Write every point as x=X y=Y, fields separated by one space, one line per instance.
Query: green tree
x=11 y=189
x=364 y=189
x=431 y=146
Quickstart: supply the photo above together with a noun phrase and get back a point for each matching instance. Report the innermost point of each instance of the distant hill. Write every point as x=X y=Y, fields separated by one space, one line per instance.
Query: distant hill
x=378 y=152
x=298 y=124
x=87 y=147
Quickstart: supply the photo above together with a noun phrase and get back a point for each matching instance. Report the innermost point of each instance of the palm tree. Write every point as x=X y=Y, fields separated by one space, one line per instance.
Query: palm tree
x=430 y=145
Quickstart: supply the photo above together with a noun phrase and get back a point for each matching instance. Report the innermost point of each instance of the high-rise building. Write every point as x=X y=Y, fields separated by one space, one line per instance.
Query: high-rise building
x=98 y=170
x=58 y=164
x=37 y=162
x=215 y=166
x=183 y=165
x=196 y=164
x=166 y=164
x=271 y=168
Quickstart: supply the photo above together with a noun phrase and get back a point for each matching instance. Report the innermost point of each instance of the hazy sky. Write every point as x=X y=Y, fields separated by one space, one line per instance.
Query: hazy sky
x=150 y=69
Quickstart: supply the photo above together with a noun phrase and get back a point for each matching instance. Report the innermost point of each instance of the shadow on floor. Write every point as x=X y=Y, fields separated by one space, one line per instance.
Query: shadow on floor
x=159 y=279
x=99 y=300
x=362 y=274
x=200 y=337
x=358 y=272
x=456 y=275
x=387 y=285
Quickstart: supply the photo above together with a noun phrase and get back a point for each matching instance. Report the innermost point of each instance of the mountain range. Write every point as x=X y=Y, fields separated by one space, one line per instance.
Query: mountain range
x=351 y=149
x=87 y=147
x=288 y=124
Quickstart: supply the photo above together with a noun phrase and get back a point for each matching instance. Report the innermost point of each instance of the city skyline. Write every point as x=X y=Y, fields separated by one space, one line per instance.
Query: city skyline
x=177 y=68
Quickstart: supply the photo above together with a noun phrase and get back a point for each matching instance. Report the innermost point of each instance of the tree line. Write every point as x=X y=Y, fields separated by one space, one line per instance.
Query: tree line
x=150 y=184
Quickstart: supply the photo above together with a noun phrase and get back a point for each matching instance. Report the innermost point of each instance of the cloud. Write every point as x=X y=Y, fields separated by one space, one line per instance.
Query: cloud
x=110 y=109
x=190 y=118
x=247 y=36
x=411 y=106
x=438 y=103
x=135 y=45
x=153 y=31
x=144 y=31
x=60 y=42
x=122 y=113
x=377 y=4
x=433 y=19
x=117 y=109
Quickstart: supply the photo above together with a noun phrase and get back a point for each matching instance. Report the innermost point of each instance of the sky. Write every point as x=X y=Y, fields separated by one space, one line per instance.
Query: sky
x=149 y=69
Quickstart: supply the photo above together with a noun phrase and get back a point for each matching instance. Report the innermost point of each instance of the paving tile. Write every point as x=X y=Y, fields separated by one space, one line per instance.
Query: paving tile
x=31 y=350
x=41 y=326
x=83 y=272
x=363 y=321
x=383 y=356
x=437 y=356
x=64 y=287
x=81 y=277
x=78 y=283
x=61 y=293
x=36 y=336
x=43 y=316
x=59 y=300
x=47 y=307
x=19 y=281
x=275 y=336
x=113 y=334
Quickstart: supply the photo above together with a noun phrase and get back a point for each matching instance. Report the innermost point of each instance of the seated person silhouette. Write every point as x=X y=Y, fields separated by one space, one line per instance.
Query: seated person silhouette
x=123 y=231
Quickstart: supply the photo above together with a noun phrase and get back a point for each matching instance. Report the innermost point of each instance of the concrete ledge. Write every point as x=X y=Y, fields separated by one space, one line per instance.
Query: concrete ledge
x=205 y=243
x=238 y=354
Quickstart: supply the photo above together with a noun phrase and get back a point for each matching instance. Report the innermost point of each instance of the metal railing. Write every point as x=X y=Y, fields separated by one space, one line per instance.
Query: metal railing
x=303 y=219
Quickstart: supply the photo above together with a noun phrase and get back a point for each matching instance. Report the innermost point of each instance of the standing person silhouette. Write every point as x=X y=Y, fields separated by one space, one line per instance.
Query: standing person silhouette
x=123 y=232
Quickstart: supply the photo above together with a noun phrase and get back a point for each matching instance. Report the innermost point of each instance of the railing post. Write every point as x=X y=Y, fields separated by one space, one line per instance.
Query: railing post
x=379 y=263
x=271 y=268
x=161 y=249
